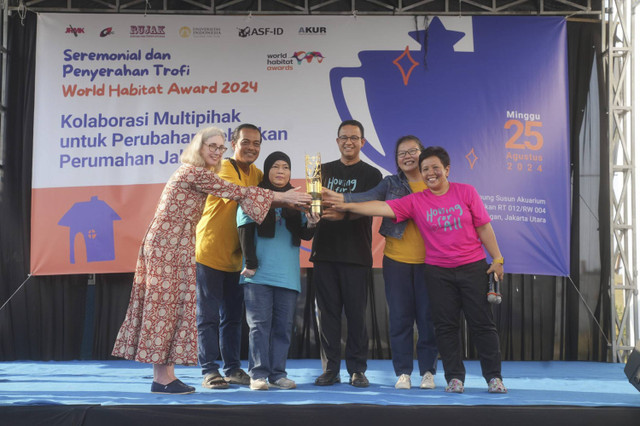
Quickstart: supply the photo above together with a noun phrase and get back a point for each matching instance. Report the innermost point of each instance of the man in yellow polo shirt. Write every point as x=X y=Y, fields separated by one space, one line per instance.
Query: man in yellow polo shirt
x=219 y=261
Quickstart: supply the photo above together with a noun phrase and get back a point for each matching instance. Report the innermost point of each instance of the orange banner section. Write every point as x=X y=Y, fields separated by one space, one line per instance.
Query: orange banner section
x=87 y=230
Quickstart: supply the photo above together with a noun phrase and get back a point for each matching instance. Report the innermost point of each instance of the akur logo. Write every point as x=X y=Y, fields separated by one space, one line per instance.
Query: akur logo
x=93 y=220
x=312 y=31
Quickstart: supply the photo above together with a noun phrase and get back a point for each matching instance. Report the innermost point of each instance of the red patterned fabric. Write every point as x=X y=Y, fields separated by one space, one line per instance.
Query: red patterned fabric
x=160 y=325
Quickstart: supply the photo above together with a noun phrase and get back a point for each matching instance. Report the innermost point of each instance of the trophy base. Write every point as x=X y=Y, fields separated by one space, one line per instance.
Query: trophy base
x=316 y=207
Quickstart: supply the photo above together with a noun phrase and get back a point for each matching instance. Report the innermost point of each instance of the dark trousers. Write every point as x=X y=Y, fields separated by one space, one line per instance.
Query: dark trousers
x=463 y=288
x=342 y=285
x=219 y=309
x=405 y=286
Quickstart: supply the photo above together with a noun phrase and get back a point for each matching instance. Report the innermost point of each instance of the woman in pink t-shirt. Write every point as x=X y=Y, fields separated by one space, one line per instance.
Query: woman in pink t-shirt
x=455 y=226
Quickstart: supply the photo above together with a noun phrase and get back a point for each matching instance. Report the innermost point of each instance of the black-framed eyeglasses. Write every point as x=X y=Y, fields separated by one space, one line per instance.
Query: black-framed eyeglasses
x=412 y=151
x=216 y=148
x=353 y=138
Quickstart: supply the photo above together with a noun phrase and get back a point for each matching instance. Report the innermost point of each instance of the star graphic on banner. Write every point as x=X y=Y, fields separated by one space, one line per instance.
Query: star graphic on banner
x=402 y=60
x=471 y=158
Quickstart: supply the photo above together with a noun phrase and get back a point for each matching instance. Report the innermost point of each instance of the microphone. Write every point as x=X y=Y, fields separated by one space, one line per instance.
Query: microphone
x=493 y=295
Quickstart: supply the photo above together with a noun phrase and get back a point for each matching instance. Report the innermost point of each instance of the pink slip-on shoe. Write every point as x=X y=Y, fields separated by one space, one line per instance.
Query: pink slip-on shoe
x=455 y=386
x=496 y=386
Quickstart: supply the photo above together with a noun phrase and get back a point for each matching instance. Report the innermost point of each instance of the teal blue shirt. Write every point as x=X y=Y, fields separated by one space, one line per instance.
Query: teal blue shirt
x=278 y=259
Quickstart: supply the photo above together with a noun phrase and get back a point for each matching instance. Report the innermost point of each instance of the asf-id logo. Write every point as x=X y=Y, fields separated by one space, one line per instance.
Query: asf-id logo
x=312 y=31
x=74 y=30
x=265 y=31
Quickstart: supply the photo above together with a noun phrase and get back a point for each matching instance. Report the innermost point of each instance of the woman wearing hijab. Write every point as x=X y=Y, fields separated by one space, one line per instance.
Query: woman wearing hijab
x=271 y=277
x=160 y=324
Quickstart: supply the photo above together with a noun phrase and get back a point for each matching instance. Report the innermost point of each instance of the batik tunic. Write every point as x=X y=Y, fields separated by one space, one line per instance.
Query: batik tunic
x=160 y=324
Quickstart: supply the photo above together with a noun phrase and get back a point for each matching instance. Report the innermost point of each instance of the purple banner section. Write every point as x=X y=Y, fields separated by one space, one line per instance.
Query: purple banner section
x=500 y=109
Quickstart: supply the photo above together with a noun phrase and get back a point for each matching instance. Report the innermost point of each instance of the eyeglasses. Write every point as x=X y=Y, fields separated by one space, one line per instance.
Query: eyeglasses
x=412 y=151
x=353 y=138
x=216 y=148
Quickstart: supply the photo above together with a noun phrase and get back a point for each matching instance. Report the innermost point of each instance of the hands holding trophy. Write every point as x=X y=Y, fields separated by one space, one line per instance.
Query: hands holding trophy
x=313 y=177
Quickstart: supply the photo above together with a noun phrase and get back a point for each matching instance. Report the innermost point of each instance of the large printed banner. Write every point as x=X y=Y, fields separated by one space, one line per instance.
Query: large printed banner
x=118 y=98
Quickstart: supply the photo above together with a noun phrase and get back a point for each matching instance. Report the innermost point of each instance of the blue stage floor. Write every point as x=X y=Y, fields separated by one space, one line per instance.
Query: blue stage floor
x=108 y=383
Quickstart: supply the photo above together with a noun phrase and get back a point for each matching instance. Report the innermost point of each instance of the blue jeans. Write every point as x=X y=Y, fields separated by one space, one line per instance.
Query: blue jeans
x=464 y=288
x=270 y=312
x=219 y=318
x=408 y=299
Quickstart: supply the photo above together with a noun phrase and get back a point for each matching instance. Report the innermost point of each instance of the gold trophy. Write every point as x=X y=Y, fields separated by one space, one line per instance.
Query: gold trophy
x=313 y=176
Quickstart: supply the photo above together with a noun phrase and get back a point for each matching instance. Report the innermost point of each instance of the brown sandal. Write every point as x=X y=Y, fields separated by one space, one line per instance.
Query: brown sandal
x=214 y=381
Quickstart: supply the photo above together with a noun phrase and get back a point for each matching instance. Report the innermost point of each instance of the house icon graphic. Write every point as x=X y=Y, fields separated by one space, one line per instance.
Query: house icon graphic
x=94 y=220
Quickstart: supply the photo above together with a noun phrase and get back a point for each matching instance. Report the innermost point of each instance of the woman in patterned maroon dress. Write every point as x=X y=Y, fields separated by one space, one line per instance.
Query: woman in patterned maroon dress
x=160 y=325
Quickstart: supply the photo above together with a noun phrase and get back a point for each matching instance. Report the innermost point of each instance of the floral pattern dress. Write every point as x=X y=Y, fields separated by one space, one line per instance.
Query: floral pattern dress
x=160 y=324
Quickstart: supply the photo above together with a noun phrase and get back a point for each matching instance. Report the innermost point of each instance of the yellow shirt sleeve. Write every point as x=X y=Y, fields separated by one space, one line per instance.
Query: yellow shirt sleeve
x=217 y=244
x=409 y=248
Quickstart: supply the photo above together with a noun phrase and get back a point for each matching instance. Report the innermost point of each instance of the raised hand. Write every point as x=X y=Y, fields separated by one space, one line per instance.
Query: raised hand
x=293 y=197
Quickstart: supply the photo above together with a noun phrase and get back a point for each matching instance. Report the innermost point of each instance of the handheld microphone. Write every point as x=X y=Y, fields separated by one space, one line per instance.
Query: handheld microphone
x=493 y=295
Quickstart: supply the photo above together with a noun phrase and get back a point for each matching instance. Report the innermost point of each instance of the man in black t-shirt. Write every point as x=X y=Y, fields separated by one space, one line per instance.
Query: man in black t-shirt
x=341 y=254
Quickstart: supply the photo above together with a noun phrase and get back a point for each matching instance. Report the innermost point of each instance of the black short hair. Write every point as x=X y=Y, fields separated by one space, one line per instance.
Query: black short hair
x=435 y=151
x=407 y=138
x=352 y=123
x=236 y=132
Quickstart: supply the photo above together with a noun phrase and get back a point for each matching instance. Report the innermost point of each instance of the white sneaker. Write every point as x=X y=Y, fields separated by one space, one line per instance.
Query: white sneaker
x=427 y=381
x=404 y=382
x=259 y=384
x=284 y=383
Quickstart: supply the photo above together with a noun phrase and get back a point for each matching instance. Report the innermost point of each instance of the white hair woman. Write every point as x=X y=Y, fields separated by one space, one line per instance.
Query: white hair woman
x=160 y=324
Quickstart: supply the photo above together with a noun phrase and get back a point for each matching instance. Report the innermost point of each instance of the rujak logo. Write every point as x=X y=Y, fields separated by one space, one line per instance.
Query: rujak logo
x=146 y=31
